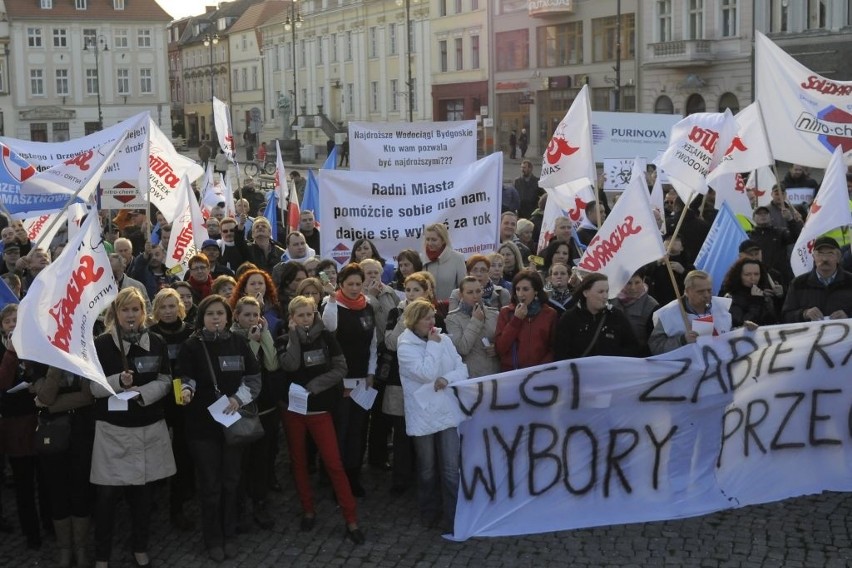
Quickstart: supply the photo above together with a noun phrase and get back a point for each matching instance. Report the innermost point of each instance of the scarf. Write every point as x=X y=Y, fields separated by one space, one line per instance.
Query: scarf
x=534 y=308
x=357 y=304
x=561 y=297
x=488 y=290
x=433 y=255
x=203 y=288
x=465 y=309
x=625 y=301
x=206 y=335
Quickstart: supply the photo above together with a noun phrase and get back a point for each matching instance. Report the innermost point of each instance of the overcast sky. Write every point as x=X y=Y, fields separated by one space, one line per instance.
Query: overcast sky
x=180 y=8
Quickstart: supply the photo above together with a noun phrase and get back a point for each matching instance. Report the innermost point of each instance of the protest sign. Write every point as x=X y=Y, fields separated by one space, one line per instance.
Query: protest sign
x=14 y=170
x=720 y=424
x=411 y=145
x=617 y=172
x=391 y=208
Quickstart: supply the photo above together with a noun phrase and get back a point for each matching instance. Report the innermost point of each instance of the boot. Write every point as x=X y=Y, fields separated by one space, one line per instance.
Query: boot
x=80 y=530
x=62 y=528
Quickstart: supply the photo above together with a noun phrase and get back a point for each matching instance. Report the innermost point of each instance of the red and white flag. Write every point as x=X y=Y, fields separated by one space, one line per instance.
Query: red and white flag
x=222 y=121
x=569 y=158
x=749 y=149
x=698 y=144
x=564 y=201
x=730 y=189
x=293 y=210
x=57 y=315
x=761 y=181
x=627 y=240
x=806 y=115
x=829 y=210
x=188 y=231
x=165 y=170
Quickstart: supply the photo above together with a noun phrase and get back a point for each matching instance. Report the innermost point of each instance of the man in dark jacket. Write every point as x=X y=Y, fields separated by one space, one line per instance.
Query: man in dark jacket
x=774 y=242
x=528 y=190
x=825 y=291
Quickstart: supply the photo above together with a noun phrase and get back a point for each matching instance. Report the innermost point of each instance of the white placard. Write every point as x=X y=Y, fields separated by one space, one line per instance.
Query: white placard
x=411 y=145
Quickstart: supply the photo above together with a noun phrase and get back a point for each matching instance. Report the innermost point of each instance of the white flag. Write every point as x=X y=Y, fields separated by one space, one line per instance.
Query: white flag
x=222 y=120
x=730 y=189
x=563 y=201
x=228 y=192
x=280 y=177
x=569 y=158
x=657 y=198
x=829 y=210
x=63 y=303
x=749 y=149
x=627 y=240
x=78 y=175
x=188 y=231
x=761 y=181
x=806 y=115
x=166 y=169
x=698 y=144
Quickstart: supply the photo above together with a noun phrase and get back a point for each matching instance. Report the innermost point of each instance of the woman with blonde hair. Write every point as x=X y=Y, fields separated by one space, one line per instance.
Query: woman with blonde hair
x=132 y=446
x=440 y=260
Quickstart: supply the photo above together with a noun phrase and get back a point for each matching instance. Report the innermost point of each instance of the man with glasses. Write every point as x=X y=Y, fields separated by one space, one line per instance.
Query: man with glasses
x=211 y=250
x=823 y=293
x=199 y=277
x=232 y=245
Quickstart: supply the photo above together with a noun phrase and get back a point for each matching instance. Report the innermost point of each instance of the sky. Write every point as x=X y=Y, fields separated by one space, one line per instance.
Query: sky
x=181 y=8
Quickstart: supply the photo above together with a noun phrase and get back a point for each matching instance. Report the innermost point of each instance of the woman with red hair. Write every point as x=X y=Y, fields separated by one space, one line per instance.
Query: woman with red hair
x=258 y=284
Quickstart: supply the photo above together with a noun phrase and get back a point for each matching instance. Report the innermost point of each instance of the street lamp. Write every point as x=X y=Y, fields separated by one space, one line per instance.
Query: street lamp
x=294 y=20
x=210 y=41
x=98 y=45
x=408 y=34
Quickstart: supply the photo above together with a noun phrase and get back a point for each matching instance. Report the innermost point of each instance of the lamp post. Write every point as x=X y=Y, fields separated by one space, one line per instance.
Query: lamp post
x=410 y=82
x=210 y=41
x=97 y=45
x=294 y=20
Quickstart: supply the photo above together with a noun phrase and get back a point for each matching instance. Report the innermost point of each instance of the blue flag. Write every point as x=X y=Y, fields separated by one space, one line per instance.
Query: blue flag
x=6 y=295
x=721 y=247
x=331 y=161
x=311 y=201
x=271 y=213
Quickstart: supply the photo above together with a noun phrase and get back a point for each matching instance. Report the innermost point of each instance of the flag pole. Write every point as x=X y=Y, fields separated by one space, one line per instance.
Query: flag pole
x=59 y=216
x=683 y=315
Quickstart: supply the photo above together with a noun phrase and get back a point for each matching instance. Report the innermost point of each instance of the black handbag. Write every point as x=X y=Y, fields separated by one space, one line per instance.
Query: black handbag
x=53 y=433
x=247 y=428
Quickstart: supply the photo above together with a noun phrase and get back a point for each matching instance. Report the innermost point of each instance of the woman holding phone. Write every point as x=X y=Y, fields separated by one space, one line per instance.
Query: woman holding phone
x=525 y=327
x=472 y=327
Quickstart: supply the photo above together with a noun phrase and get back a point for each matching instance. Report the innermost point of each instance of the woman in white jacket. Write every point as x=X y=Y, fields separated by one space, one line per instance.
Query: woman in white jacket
x=426 y=357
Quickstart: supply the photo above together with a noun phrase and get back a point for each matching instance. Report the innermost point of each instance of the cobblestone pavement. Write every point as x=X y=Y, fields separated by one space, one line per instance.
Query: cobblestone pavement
x=803 y=532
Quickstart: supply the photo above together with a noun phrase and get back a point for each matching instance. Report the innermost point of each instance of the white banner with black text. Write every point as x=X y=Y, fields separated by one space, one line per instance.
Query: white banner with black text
x=385 y=146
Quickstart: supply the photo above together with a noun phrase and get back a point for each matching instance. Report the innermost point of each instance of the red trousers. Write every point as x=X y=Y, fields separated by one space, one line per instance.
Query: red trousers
x=321 y=428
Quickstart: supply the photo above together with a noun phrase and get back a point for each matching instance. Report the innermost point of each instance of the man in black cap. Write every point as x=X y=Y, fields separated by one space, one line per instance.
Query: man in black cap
x=774 y=243
x=211 y=250
x=751 y=250
x=11 y=254
x=825 y=291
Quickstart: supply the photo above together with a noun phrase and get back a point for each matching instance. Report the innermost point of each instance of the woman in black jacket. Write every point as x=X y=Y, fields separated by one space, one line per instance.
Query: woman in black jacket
x=592 y=326
x=315 y=362
x=747 y=284
x=216 y=363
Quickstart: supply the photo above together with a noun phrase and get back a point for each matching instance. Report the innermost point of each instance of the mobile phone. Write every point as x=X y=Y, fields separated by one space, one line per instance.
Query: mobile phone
x=254 y=329
x=324 y=277
x=485 y=342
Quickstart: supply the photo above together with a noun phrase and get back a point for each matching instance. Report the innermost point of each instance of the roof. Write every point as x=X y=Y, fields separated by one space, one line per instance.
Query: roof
x=138 y=10
x=258 y=14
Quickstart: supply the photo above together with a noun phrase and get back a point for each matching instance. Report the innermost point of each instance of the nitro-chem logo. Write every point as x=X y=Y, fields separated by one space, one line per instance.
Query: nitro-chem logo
x=833 y=127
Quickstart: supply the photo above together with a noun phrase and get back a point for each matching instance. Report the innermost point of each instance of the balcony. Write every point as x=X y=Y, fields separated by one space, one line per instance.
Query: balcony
x=682 y=53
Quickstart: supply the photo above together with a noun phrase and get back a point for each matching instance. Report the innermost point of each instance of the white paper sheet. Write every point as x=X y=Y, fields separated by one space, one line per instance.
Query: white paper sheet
x=118 y=402
x=19 y=387
x=702 y=327
x=217 y=411
x=364 y=396
x=298 y=399
x=350 y=384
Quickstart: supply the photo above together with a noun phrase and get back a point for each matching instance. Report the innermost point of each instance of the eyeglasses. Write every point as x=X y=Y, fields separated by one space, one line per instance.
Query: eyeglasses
x=199 y=267
x=227 y=231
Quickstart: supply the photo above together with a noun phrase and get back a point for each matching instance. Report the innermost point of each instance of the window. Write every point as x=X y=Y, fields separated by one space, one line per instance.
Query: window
x=350 y=98
x=244 y=76
x=120 y=39
x=347 y=48
x=146 y=81
x=303 y=54
x=34 y=37
x=664 y=20
x=38 y=132
x=605 y=38
x=36 y=82
x=560 y=45
x=374 y=96
x=628 y=98
x=817 y=12
x=60 y=37
x=90 y=36
x=695 y=19
x=454 y=109
x=729 y=18
x=459 y=54
x=374 y=41
x=513 y=50
x=394 y=94
x=391 y=39
x=729 y=101
x=2 y=79
x=236 y=80
x=601 y=98
x=46 y=4
x=244 y=42
x=288 y=56
x=118 y=4
x=458 y=6
x=123 y=76
x=143 y=38
x=442 y=48
x=61 y=82
x=474 y=52
x=333 y=48
x=60 y=132
x=254 y=77
x=91 y=81
x=321 y=96
x=695 y=103
x=474 y=4
x=442 y=7
x=663 y=105
x=80 y=4
x=319 y=50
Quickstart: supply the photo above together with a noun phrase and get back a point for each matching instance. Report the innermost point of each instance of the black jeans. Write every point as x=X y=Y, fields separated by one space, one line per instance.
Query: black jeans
x=66 y=476
x=24 y=474
x=139 y=499
x=350 y=421
x=256 y=470
x=217 y=468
